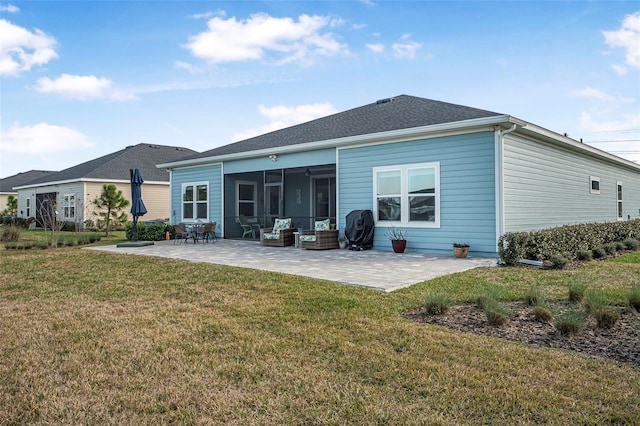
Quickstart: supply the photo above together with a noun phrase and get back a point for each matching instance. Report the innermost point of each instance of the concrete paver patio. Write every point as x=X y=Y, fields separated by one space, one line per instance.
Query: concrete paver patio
x=375 y=269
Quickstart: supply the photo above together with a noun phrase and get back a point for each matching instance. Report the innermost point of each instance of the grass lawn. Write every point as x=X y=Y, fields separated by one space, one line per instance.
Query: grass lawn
x=98 y=338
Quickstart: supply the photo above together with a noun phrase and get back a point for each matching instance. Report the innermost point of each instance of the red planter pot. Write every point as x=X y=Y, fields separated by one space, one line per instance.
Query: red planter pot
x=399 y=245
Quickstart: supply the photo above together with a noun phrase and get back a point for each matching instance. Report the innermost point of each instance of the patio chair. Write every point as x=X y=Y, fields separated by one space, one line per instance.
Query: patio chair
x=320 y=238
x=210 y=232
x=280 y=235
x=247 y=228
x=197 y=232
x=181 y=233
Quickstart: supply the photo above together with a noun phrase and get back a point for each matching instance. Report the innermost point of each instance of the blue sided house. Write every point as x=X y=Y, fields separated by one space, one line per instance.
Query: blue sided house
x=442 y=172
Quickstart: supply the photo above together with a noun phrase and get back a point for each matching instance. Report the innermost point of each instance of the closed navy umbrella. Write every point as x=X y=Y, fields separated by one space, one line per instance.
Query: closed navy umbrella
x=137 y=205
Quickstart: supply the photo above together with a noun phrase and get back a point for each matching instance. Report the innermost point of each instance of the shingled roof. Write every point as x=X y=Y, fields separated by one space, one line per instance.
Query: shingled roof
x=115 y=166
x=7 y=184
x=400 y=112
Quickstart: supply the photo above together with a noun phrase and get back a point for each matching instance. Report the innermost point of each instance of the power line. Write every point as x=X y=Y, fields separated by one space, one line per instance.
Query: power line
x=616 y=141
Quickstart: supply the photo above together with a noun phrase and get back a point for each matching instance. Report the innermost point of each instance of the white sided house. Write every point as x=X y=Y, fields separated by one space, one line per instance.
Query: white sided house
x=71 y=191
x=444 y=173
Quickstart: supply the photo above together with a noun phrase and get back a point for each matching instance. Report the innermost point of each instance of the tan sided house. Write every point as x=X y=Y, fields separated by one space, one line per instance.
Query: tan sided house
x=72 y=190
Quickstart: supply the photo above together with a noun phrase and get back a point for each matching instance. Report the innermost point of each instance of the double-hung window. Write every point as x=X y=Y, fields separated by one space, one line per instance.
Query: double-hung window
x=407 y=195
x=69 y=206
x=195 y=205
x=619 y=197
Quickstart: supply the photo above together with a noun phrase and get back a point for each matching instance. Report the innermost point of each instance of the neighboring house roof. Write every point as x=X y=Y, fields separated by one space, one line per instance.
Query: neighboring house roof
x=7 y=184
x=115 y=166
x=400 y=112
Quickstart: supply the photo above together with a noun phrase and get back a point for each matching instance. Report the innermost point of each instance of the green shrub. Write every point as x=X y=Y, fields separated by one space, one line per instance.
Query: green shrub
x=576 y=292
x=437 y=304
x=606 y=317
x=10 y=233
x=559 y=262
x=634 y=297
x=571 y=322
x=542 y=314
x=534 y=297
x=599 y=252
x=511 y=247
x=68 y=226
x=585 y=255
x=149 y=232
x=610 y=248
x=496 y=317
x=620 y=246
x=540 y=245
x=496 y=314
x=631 y=243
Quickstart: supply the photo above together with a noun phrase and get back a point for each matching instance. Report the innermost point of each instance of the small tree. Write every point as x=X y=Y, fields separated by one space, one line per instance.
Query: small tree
x=48 y=214
x=113 y=202
x=12 y=206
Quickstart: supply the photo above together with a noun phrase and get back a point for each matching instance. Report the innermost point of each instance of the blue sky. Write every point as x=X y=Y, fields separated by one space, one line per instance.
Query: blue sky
x=81 y=79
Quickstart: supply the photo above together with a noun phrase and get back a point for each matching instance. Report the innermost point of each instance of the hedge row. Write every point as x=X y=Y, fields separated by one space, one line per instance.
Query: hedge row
x=571 y=239
x=150 y=232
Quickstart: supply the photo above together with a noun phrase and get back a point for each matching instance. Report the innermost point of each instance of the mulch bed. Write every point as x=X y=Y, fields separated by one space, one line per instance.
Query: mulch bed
x=619 y=343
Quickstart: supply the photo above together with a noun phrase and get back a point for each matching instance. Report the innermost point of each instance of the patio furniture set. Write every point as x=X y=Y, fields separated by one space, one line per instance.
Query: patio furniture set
x=282 y=234
x=205 y=232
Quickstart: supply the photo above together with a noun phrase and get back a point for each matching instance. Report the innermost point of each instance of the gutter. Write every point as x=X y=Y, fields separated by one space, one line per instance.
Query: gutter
x=95 y=180
x=499 y=176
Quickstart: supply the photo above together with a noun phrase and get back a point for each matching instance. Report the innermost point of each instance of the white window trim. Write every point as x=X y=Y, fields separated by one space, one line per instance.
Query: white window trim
x=619 y=201
x=255 y=196
x=68 y=203
x=195 y=201
x=404 y=196
x=591 y=180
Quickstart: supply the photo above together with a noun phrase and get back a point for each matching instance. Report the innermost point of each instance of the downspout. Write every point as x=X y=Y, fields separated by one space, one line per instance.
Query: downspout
x=499 y=178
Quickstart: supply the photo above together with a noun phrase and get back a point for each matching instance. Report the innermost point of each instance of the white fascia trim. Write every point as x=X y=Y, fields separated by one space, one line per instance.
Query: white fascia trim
x=94 y=180
x=392 y=135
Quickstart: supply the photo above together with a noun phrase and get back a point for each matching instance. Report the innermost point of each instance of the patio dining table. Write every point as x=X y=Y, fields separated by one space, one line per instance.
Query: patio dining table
x=195 y=232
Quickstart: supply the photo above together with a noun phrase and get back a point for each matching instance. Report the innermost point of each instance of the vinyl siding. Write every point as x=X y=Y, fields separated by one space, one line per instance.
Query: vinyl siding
x=547 y=186
x=154 y=196
x=283 y=161
x=73 y=188
x=467 y=194
x=211 y=174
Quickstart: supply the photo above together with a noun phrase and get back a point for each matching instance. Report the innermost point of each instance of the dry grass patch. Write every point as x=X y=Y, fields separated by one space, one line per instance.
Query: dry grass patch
x=97 y=338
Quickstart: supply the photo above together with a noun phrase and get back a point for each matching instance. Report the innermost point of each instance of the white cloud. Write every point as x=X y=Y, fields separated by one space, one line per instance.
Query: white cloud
x=282 y=116
x=21 y=49
x=375 y=47
x=42 y=138
x=592 y=93
x=406 y=48
x=620 y=69
x=628 y=38
x=82 y=87
x=9 y=8
x=207 y=15
x=190 y=68
x=230 y=40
